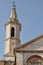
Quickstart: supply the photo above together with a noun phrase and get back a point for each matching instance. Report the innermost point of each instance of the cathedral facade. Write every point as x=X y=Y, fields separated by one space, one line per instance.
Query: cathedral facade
x=15 y=53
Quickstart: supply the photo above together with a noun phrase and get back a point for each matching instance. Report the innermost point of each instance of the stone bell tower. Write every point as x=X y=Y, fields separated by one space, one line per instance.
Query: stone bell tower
x=12 y=28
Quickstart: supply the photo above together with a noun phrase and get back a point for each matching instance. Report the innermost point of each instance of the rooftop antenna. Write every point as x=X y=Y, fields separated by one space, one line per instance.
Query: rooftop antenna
x=13 y=3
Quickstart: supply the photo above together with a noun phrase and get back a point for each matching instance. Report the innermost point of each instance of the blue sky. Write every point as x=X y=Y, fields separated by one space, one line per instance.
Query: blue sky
x=30 y=15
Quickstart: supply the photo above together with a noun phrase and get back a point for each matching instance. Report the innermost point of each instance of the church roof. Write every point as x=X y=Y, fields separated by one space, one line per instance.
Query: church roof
x=29 y=42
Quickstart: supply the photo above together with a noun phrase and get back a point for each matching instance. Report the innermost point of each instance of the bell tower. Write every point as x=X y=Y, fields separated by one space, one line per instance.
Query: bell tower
x=12 y=28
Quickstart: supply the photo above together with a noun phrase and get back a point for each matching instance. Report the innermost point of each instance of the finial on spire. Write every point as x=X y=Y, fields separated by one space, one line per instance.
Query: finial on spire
x=13 y=3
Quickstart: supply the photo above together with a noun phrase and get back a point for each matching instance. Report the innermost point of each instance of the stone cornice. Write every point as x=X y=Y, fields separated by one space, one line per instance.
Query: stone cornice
x=12 y=38
x=29 y=51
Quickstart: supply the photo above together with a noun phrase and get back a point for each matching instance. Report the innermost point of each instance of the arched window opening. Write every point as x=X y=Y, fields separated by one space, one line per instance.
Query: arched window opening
x=12 y=32
x=34 y=60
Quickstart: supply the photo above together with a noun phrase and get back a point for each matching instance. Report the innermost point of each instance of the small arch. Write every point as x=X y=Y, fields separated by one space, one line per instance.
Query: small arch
x=34 y=56
x=12 y=32
x=35 y=59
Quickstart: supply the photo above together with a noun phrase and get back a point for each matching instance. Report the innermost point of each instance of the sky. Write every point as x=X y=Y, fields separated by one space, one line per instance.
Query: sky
x=30 y=15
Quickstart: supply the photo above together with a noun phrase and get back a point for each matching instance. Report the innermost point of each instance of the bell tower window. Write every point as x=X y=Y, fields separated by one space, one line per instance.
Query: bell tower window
x=12 y=32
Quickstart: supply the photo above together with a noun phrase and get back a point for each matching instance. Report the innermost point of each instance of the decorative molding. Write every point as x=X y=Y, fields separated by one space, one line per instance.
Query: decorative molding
x=34 y=56
x=9 y=58
x=12 y=38
x=29 y=51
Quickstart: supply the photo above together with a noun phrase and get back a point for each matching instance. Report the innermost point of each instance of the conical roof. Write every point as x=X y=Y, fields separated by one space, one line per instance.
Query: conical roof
x=13 y=13
x=13 y=16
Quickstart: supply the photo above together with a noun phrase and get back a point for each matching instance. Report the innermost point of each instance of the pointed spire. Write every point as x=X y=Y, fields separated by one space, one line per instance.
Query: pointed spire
x=13 y=14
